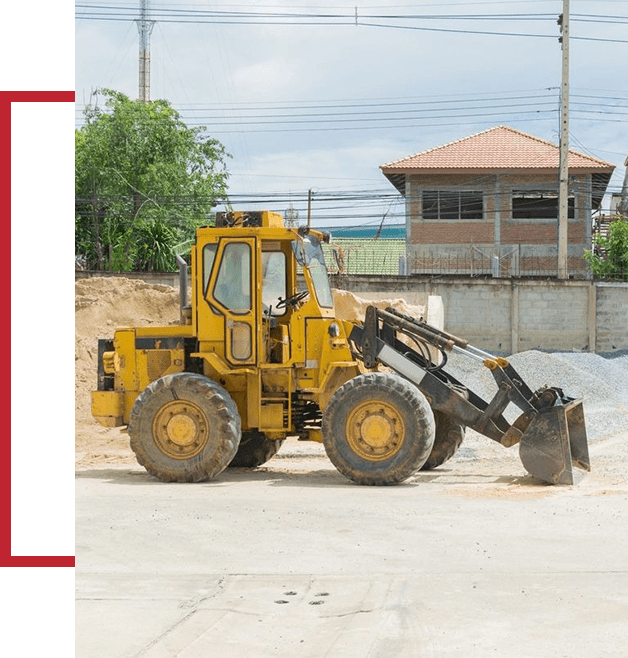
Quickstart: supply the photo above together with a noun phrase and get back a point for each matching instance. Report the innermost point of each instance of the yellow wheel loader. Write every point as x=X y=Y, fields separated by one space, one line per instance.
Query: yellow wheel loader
x=258 y=355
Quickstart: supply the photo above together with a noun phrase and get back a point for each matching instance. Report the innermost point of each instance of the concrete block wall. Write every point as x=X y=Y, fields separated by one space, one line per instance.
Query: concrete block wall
x=505 y=316
x=479 y=314
x=612 y=315
x=552 y=317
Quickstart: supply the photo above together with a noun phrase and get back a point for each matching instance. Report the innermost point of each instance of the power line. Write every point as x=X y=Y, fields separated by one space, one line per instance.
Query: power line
x=421 y=104
x=174 y=15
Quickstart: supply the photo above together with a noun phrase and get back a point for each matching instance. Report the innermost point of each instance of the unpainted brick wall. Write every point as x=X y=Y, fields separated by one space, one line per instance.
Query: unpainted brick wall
x=497 y=233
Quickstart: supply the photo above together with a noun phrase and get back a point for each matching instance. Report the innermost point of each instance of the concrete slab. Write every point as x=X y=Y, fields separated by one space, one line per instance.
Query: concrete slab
x=473 y=559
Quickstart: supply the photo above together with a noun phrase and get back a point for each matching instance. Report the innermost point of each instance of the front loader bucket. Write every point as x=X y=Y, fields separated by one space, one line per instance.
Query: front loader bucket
x=554 y=442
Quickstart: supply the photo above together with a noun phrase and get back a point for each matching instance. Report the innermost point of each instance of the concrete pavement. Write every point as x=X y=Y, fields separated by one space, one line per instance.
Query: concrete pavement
x=473 y=559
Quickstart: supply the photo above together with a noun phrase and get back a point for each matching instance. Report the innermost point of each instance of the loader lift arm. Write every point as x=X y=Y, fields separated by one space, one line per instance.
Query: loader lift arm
x=550 y=430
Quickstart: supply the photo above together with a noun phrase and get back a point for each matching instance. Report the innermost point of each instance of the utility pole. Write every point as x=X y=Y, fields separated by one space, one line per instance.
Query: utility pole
x=622 y=208
x=144 y=27
x=309 y=208
x=563 y=191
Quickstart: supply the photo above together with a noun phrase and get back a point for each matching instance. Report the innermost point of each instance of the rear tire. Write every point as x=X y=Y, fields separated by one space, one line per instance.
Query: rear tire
x=254 y=450
x=449 y=437
x=184 y=427
x=378 y=429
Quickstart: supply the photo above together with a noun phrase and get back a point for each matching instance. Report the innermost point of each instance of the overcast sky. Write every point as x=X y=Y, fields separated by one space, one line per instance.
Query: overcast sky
x=302 y=97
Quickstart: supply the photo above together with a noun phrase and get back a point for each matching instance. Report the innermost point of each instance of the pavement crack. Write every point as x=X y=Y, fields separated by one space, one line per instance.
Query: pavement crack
x=194 y=603
x=207 y=596
x=161 y=636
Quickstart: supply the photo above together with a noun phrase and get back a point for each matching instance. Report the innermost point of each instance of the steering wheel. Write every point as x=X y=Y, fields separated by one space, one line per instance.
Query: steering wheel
x=292 y=301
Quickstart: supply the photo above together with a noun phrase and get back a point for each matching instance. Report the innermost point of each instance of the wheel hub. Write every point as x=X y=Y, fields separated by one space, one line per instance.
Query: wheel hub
x=181 y=429
x=375 y=430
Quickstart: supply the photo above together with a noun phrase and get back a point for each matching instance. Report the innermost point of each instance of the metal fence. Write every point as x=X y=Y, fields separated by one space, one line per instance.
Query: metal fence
x=509 y=264
x=387 y=256
x=366 y=256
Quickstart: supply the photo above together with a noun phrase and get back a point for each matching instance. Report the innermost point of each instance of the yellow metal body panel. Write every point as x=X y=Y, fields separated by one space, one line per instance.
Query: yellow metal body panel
x=134 y=367
x=108 y=407
x=315 y=435
x=126 y=378
x=169 y=331
x=271 y=416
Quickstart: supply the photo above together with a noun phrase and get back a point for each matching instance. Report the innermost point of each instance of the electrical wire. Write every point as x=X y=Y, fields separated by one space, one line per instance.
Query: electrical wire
x=353 y=114
x=176 y=15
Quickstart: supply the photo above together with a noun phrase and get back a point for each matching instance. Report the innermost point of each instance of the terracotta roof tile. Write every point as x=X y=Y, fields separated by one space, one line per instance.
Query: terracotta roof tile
x=500 y=148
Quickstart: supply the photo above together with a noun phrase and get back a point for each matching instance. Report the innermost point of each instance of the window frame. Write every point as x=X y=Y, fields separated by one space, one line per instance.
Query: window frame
x=533 y=193
x=276 y=312
x=226 y=303
x=448 y=205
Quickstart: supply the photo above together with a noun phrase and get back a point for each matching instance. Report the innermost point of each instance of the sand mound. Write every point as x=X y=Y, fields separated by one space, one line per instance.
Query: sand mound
x=102 y=304
x=351 y=307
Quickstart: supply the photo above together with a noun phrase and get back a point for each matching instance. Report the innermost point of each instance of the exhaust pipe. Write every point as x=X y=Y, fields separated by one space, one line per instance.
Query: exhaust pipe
x=185 y=310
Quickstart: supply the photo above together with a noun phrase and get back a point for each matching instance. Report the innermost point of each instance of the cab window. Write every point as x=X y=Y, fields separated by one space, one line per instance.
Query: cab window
x=273 y=281
x=209 y=256
x=233 y=283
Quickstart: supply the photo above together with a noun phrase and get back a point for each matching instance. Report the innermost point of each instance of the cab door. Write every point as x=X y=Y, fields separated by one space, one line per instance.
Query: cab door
x=232 y=294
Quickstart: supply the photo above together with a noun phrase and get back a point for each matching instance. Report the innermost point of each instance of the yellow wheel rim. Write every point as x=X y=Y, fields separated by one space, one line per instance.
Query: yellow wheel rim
x=375 y=430
x=181 y=429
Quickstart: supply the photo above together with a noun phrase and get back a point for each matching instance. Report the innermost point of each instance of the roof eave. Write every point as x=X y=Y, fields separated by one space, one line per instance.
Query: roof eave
x=425 y=171
x=397 y=177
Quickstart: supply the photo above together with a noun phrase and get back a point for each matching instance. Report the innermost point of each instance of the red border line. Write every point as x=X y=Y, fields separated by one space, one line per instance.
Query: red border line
x=6 y=98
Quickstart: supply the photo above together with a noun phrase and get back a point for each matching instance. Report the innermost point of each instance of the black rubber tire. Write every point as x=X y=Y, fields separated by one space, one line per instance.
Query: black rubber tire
x=370 y=400
x=254 y=450
x=215 y=413
x=449 y=437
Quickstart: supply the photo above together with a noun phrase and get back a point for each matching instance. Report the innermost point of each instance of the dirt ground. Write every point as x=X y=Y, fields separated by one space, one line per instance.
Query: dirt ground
x=475 y=558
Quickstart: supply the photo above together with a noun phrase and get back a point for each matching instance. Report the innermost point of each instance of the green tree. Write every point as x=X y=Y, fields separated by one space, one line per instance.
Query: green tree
x=612 y=262
x=144 y=181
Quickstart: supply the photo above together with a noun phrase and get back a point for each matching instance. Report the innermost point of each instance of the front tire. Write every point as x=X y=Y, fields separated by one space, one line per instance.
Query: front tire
x=184 y=427
x=378 y=429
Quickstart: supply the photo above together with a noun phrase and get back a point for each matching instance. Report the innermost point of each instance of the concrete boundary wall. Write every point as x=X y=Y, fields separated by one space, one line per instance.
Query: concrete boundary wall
x=502 y=316
x=513 y=315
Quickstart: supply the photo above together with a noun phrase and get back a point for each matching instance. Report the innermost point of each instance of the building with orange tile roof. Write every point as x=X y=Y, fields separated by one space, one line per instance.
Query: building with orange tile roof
x=488 y=204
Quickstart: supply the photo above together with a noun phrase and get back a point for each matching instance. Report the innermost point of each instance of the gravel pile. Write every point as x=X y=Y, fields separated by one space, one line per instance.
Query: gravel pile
x=601 y=380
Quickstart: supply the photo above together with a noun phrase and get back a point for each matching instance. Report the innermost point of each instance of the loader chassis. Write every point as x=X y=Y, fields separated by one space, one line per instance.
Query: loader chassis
x=259 y=355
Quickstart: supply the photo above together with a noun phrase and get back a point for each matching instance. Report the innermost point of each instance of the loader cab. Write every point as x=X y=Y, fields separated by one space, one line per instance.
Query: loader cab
x=256 y=286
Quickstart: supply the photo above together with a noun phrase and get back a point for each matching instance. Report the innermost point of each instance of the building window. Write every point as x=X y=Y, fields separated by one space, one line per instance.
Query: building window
x=440 y=204
x=537 y=204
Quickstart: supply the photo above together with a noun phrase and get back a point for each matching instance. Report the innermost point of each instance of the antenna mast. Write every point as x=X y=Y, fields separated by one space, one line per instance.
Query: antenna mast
x=144 y=27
